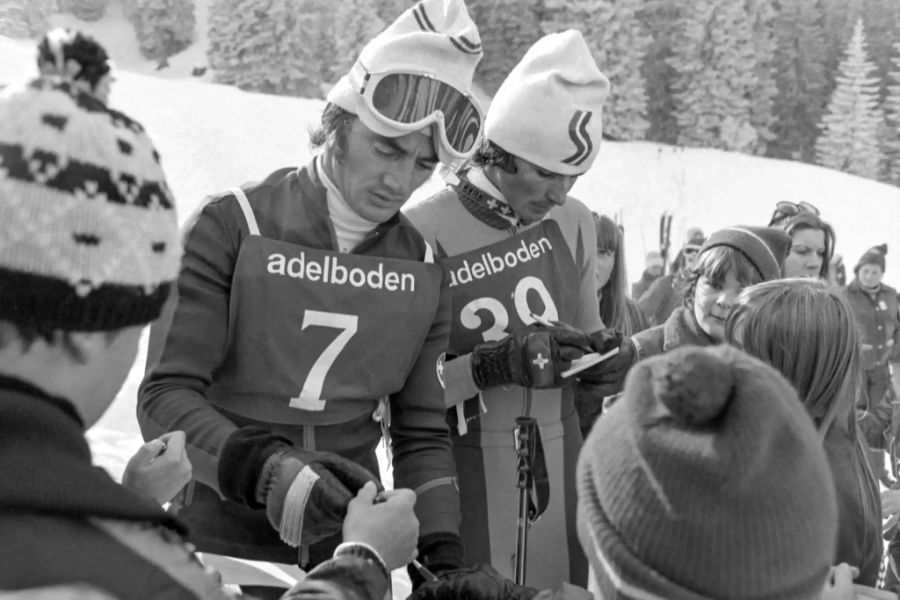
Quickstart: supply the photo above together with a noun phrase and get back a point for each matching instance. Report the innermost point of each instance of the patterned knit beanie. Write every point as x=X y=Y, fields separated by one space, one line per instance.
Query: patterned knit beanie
x=873 y=256
x=706 y=480
x=72 y=55
x=88 y=232
x=548 y=110
x=765 y=247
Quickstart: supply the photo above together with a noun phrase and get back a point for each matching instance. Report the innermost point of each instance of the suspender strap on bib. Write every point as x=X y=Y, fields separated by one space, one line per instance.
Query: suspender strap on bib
x=244 y=203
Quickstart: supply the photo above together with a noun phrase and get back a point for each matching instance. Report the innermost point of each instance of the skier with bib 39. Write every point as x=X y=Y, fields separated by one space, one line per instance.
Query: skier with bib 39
x=520 y=257
x=310 y=318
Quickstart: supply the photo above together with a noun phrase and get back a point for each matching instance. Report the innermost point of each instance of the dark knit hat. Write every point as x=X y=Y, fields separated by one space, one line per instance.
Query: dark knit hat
x=72 y=55
x=88 y=231
x=765 y=247
x=694 y=237
x=707 y=479
x=873 y=256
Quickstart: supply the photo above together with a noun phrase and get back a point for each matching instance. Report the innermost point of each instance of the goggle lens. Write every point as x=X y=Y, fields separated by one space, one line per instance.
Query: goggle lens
x=408 y=98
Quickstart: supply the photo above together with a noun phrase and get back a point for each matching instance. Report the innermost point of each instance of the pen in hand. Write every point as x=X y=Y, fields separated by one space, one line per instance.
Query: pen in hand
x=423 y=571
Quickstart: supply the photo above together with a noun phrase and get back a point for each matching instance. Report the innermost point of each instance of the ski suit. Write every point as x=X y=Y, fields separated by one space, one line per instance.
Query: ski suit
x=498 y=275
x=272 y=327
x=878 y=319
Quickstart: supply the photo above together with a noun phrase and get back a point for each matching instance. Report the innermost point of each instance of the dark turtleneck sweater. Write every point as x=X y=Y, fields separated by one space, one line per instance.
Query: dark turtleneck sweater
x=63 y=520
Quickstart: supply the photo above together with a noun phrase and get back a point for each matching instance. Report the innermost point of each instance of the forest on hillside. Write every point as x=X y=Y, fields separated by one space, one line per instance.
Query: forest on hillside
x=810 y=80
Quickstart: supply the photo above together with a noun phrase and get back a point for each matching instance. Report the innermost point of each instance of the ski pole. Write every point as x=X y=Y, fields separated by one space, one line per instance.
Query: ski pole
x=525 y=432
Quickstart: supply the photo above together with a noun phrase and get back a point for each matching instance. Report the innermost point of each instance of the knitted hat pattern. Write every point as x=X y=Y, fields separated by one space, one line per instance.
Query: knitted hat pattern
x=707 y=480
x=435 y=37
x=548 y=109
x=765 y=247
x=88 y=230
x=72 y=55
x=873 y=256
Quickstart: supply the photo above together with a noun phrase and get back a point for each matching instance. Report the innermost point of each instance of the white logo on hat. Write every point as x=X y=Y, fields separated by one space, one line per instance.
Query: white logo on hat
x=579 y=135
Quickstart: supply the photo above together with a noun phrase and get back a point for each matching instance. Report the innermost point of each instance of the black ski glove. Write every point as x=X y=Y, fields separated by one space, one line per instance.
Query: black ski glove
x=305 y=493
x=608 y=377
x=479 y=582
x=533 y=357
x=439 y=552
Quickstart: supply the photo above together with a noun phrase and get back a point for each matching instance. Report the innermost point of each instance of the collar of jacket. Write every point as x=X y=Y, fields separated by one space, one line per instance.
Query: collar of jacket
x=315 y=195
x=682 y=329
x=474 y=199
x=856 y=286
x=46 y=467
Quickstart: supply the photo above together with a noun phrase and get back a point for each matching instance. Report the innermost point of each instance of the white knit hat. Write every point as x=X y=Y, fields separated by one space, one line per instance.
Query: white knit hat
x=435 y=37
x=548 y=109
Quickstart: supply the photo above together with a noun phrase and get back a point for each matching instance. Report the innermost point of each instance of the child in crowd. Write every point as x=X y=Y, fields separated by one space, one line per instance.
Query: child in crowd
x=731 y=259
x=805 y=329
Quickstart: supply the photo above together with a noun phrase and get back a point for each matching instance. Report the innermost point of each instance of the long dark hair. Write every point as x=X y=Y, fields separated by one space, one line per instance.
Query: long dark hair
x=805 y=329
x=613 y=296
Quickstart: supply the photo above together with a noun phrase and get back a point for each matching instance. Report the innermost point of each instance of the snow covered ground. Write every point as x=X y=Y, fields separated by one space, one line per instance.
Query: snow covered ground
x=212 y=137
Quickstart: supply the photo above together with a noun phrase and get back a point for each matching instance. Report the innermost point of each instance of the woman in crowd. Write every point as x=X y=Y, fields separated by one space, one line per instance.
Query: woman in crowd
x=812 y=239
x=780 y=322
x=616 y=308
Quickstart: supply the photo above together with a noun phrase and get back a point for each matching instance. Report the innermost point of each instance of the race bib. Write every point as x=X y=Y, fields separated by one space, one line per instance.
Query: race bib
x=497 y=288
x=316 y=336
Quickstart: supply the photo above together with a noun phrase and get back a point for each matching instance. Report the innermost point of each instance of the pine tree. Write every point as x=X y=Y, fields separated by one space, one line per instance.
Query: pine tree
x=892 y=116
x=659 y=18
x=86 y=10
x=881 y=19
x=389 y=10
x=619 y=44
x=163 y=27
x=713 y=58
x=356 y=22
x=851 y=125
x=762 y=15
x=802 y=82
x=508 y=28
x=25 y=18
x=272 y=46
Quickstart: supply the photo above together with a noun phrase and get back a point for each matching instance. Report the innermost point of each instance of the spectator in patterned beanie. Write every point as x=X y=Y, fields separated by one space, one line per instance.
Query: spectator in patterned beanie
x=89 y=251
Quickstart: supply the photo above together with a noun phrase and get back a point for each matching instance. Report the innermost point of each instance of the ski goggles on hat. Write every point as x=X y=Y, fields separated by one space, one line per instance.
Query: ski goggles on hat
x=785 y=210
x=412 y=101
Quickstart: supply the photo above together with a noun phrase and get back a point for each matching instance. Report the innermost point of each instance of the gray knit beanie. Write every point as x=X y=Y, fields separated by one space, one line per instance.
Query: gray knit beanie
x=706 y=480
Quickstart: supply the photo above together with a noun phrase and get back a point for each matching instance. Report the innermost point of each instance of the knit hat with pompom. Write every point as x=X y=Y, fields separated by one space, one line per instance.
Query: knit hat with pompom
x=88 y=231
x=706 y=480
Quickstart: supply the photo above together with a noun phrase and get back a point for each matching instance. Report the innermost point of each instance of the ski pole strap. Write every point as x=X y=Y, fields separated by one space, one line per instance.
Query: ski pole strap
x=532 y=466
x=540 y=480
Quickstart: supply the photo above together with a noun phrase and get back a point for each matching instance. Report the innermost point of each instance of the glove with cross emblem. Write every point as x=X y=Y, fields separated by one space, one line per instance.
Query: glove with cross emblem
x=533 y=357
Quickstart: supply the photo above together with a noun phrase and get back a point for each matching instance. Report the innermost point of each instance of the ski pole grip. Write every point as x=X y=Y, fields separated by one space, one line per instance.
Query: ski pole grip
x=526 y=429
